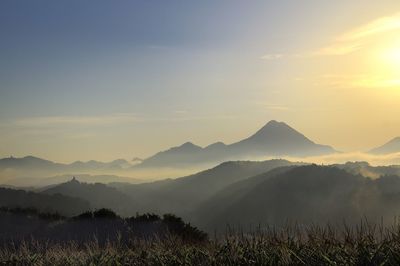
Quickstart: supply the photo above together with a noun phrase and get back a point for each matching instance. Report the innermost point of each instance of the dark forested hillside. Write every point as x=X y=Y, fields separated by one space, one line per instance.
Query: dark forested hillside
x=98 y=195
x=62 y=204
x=306 y=195
x=184 y=194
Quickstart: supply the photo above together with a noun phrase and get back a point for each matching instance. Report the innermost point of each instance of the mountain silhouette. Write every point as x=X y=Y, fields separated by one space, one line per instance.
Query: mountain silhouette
x=28 y=162
x=277 y=138
x=62 y=204
x=306 y=195
x=98 y=195
x=34 y=163
x=239 y=193
x=34 y=171
x=273 y=139
x=183 y=194
x=392 y=146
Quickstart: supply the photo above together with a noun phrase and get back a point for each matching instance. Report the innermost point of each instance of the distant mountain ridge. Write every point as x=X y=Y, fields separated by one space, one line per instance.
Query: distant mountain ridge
x=36 y=172
x=32 y=162
x=392 y=146
x=274 y=139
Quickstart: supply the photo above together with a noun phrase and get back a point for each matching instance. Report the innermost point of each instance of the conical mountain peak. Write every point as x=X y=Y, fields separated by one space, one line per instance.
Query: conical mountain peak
x=275 y=124
x=275 y=129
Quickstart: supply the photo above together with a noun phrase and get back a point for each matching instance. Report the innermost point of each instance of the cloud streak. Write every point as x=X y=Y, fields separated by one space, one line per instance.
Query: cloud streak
x=272 y=56
x=348 y=42
x=355 y=39
x=77 y=120
x=381 y=25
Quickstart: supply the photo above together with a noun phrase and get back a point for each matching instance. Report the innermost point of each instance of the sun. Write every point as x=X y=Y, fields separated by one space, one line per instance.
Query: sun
x=391 y=57
x=386 y=69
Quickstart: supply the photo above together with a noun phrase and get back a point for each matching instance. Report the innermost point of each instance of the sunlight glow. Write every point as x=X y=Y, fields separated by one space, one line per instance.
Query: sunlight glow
x=381 y=25
x=392 y=57
x=388 y=65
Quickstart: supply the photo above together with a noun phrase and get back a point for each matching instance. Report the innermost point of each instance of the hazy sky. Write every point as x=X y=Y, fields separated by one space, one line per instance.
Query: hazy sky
x=108 y=79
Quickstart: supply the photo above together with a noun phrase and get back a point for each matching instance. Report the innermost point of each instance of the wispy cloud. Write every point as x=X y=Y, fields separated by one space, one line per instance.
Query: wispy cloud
x=380 y=25
x=356 y=81
x=336 y=49
x=388 y=159
x=77 y=120
x=355 y=39
x=181 y=112
x=272 y=56
x=348 y=42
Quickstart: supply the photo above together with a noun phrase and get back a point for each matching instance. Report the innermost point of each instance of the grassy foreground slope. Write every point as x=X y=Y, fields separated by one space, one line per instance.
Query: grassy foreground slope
x=363 y=245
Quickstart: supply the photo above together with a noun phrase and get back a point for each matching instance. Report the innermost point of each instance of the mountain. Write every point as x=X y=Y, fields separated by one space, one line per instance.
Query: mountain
x=274 y=139
x=277 y=138
x=187 y=153
x=306 y=195
x=183 y=195
x=34 y=163
x=98 y=195
x=31 y=183
x=61 y=204
x=231 y=194
x=92 y=164
x=33 y=171
x=392 y=146
x=28 y=162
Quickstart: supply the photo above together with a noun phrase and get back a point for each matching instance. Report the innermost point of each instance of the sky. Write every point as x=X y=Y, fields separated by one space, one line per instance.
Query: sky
x=83 y=80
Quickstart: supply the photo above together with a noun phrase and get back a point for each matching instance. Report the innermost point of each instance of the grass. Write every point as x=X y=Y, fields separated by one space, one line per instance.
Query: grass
x=361 y=245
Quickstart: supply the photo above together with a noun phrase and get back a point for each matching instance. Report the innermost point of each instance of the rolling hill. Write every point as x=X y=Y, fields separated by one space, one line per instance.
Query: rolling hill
x=98 y=195
x=182 y=195
x=305 y=195
x=61 y=204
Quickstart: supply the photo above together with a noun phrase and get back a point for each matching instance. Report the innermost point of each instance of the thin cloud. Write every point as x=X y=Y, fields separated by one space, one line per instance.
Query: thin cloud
x=388 y=159
x=356 y=81
x=181 y=112
x=341 y=158
x=272 y=56
x=354 y=40
x=77 y=120
x=381 y=25
x=338 y=49
x=350 y=41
